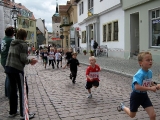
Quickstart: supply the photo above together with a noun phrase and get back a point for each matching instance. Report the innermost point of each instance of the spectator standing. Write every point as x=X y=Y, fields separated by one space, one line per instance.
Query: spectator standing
x=9 y=32
x=16 y=61
x=92 y=43
x=95 y=45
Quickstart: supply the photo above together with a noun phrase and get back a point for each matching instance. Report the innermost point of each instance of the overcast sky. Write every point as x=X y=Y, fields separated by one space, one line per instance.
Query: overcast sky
x=43 y=9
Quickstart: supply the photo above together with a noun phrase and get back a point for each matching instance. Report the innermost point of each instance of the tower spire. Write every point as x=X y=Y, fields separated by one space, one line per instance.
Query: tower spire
x=56 y=6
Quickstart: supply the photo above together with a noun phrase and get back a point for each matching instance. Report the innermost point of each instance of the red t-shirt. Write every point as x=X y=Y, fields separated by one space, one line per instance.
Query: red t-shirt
x=93 y=72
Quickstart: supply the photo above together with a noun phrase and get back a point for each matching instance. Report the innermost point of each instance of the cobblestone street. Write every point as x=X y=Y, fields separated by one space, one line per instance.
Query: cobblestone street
x=52 y=96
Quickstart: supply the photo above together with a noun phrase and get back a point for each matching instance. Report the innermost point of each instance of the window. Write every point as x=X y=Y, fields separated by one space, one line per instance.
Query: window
x=65 y=20
x=109 y=32
x=115 y=31
x=28 y=35
x=104 y=33
x=31 y=24
x=19 y=20
x=155 y=28
x=25 y=23
x=84 y=37
x=81 y=8
x=67 y=41
x=90 y=4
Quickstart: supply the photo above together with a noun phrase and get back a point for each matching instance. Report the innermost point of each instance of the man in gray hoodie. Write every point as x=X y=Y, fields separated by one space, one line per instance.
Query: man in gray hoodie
x=16 y=61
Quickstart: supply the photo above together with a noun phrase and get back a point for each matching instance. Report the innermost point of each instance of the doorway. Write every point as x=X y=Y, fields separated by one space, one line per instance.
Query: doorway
x=134 y=34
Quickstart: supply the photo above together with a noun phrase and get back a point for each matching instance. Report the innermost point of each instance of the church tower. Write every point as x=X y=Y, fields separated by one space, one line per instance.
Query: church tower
x=56 y=19
x=56 y=6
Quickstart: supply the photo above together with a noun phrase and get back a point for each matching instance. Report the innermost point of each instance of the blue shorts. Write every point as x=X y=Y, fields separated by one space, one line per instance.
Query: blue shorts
x=137 y=99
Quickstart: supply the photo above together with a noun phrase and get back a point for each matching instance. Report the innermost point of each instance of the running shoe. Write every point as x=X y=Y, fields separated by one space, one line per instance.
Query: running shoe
x=73 y=81
x=119 y=108
x=31 y=115
x=89 y=96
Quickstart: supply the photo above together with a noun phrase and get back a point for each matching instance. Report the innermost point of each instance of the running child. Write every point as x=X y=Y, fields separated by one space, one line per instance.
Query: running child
x=37 y=53
x=61 y=52
x=68 y=55
x=45 y=59
x=51 y=57
x=58 y=57
x=41 y=55
x=73 y=62
x=142 y=82
x=92 y=74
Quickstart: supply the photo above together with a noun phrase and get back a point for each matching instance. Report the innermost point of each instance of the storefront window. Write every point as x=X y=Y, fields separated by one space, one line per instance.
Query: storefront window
x=155 y=27
x=156 y=32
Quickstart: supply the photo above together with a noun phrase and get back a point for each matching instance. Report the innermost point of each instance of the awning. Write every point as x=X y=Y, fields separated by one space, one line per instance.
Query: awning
x=55 y=38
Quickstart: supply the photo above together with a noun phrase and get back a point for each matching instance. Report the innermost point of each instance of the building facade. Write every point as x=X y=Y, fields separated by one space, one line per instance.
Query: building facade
x=68 y=14
x=105 y=24
x=56 y=22
x=142 y=27
x=25 y=20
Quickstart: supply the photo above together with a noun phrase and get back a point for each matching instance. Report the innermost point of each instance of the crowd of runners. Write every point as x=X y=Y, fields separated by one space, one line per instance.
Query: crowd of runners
x=142 y=80
x=14 y=57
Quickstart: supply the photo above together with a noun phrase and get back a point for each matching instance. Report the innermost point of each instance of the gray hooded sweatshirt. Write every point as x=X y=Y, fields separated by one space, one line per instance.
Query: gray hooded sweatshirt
x=18 y=55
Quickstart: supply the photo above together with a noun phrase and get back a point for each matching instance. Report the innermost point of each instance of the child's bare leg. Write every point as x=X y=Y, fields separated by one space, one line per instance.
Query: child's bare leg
x=150 y=111
x=127 y=111
x=95 y=86
x=89 y=90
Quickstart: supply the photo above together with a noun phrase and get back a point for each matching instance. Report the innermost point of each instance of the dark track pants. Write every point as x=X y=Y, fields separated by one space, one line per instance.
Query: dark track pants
x=17 y=79
x=74 y=74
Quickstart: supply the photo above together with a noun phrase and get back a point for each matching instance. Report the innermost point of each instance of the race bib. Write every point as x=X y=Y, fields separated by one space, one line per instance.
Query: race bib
x=45 y=55
x=147 y=83
x=94 y=74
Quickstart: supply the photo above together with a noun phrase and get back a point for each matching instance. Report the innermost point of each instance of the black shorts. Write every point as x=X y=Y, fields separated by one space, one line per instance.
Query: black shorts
x=137 y=99
x=90 y=84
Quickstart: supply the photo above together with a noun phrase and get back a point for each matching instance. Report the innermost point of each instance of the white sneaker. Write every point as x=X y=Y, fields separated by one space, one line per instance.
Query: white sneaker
x=89 y=96
x=13 y=115
x=31 y=115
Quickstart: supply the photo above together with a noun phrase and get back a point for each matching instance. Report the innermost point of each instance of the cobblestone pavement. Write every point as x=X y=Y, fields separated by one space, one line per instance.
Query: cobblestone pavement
x=52 y=96
x=122 y=66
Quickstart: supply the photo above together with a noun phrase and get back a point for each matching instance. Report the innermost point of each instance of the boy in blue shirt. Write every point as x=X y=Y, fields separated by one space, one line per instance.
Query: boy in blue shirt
x=142 y=82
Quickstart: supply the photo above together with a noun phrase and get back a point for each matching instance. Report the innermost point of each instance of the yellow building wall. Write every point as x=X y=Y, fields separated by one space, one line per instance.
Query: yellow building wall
x=30 y=26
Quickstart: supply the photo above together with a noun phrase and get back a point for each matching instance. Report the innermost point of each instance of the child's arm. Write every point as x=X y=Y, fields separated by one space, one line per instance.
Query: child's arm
x=91 y=79
x=67 y=64
x=78 y=64
x=143 y=88
x=64 y=66
x=158 y=86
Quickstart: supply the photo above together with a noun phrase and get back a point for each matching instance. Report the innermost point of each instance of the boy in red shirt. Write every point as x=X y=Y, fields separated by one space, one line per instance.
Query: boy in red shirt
x=92 y=74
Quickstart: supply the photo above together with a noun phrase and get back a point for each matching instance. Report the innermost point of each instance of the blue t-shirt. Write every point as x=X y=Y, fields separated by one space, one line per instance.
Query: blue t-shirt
x=140 y=76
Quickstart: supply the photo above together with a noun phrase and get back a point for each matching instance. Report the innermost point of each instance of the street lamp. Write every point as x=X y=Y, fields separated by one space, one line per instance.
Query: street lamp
x=14 y=16
x=62 y=36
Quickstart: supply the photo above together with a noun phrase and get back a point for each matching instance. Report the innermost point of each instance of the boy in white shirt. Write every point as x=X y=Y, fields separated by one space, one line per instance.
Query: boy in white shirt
x=58 y=57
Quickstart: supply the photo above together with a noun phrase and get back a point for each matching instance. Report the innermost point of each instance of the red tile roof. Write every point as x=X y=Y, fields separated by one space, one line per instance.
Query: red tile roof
x=64 y=8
